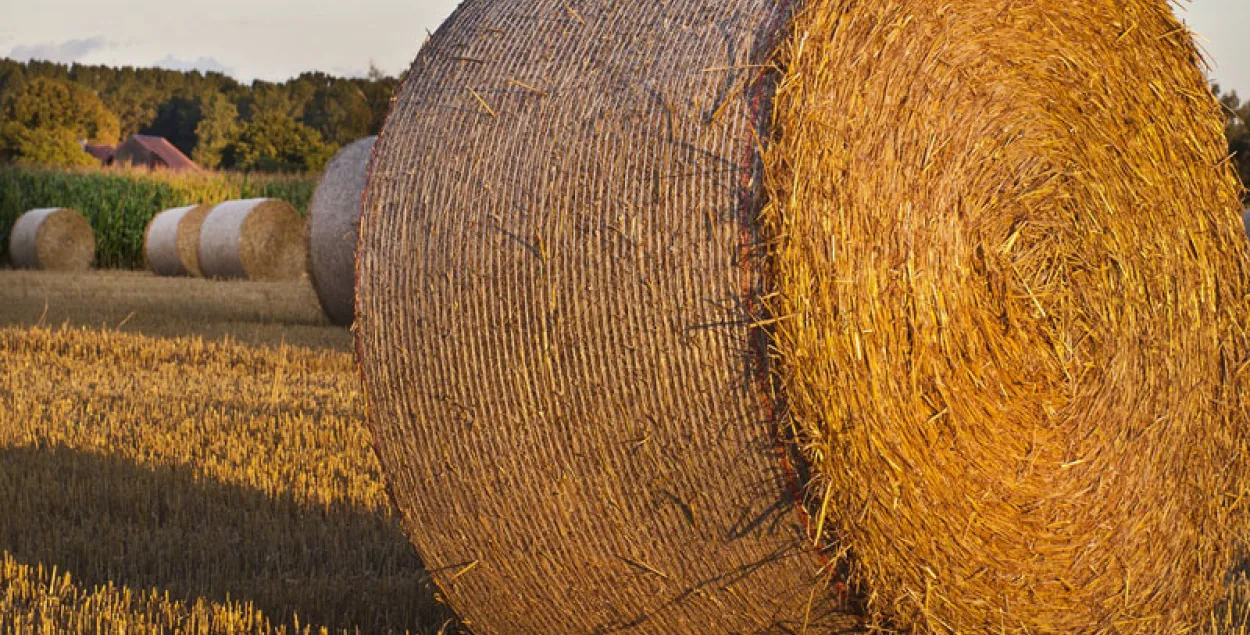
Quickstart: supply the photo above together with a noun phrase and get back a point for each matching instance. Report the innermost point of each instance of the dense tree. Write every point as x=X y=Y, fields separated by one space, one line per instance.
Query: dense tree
x=49 y=104
x=176 y=120
x=275 y=142
x=48 y=120
x=58 y=147
x=219 y=124
x=340 y=112
x=1237 y=128
x=209 y=116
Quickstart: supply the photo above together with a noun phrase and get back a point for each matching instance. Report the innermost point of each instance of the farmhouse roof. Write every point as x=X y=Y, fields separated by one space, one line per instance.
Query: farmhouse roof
x=99 y=151
x=173 y=157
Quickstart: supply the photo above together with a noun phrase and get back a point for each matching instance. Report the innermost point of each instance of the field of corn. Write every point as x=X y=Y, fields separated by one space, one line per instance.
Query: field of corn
x=119 y=203
x=174 y=463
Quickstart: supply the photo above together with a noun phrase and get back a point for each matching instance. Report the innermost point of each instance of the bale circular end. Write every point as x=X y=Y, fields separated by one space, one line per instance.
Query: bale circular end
x=333 y=223
x=53 y=239
x=1011 y=300
x=171 y=242
x=254 y=239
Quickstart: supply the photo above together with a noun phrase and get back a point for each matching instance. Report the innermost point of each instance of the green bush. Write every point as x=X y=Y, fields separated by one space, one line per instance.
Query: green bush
x=120 y=203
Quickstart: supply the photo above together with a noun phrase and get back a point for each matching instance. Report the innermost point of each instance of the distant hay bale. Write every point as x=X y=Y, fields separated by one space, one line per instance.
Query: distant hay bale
x=254 y=239
x=948 y=271
x=53 y=239
x=333 y=221
x=171 y=244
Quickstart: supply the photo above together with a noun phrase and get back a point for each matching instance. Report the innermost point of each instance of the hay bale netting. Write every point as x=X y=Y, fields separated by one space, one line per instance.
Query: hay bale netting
x=333 y=220
x=54 y=239
x=256 y=239
x=171 y=244
x=995 y=282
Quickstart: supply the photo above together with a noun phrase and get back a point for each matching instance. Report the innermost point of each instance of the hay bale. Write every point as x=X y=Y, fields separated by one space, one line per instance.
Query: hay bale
x=1013 y=287
x=1002 y=335
x=54 y=239
x=171 y=243
x=552 y=331
x=1245 y=221
x=333 y=220
x=255 y=239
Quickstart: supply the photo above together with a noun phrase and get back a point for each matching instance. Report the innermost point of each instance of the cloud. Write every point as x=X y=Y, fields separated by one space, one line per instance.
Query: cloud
x=348 y=73
x=64 y=52
x=202 y=64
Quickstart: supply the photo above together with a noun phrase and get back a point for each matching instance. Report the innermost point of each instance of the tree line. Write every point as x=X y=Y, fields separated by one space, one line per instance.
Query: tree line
x=48 y=109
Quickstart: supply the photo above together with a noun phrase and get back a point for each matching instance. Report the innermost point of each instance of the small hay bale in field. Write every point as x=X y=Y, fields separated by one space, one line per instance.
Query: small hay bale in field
x=171 y=244
x=255 y=239
x=54 y=239
x=977 y=299
x=333 y=222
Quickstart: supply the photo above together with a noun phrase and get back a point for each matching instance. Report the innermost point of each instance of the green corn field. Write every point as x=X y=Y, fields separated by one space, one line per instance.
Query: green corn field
x=119 y=203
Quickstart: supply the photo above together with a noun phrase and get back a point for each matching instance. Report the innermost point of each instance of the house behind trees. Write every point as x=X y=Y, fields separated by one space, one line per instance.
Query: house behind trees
x=153 y=153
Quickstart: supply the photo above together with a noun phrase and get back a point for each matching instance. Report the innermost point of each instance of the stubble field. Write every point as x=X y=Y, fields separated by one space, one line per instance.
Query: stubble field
x=216 y=479
x=188 y=456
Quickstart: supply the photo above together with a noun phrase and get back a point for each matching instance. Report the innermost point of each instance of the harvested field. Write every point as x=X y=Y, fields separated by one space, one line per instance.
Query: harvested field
x=139 y=302
x=173 y=485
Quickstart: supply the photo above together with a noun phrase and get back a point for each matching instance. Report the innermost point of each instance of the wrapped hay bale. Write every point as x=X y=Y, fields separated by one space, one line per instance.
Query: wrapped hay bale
x=333 y=219
x=255 y=239
x=171 y=243
x=53 y=239
x=619 y=301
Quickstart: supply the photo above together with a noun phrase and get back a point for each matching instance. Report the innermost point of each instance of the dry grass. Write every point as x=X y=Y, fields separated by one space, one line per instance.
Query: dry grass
x=1010 y=311
x=248 y=312
x=178 y=486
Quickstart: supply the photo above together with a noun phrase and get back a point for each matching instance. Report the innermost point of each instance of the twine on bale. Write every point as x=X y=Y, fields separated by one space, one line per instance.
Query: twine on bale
x=254 y=239
x=561 y=377
x=333 y=222
x=54 y=239
x=171 y=244
x=1009 y=309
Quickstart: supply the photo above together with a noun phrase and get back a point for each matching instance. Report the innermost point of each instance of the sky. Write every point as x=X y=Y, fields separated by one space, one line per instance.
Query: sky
x=278 y=39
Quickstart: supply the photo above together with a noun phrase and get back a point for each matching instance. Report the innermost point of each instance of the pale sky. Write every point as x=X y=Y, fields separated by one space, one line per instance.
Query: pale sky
x=277 y=39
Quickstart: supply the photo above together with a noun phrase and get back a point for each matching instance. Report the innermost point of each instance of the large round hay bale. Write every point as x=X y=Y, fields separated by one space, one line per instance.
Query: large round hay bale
x=171 y=244
x=333 y=221
x=255 y=239
x=1013 y=288
x=54 y=239
x=982 y=282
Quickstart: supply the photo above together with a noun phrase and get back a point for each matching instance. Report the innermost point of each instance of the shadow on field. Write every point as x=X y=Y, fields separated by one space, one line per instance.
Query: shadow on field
x=258 y=313
x=108 y=520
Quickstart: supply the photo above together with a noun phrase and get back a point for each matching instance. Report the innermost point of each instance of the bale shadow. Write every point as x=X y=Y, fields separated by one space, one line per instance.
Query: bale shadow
x=105 y=519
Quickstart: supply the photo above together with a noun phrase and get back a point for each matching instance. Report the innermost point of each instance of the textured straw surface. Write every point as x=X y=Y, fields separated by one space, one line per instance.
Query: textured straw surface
x=171 y=243
x=553 y=330
x=1010 y=308
x=256 y=239
x=333 y=220
x=53 y=240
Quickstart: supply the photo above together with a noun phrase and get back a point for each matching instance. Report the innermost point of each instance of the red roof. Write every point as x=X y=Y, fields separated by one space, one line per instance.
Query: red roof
x=159 y=146
x=101 y=152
